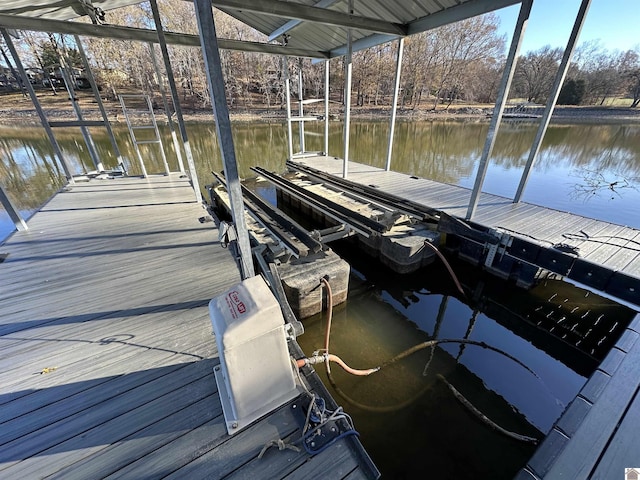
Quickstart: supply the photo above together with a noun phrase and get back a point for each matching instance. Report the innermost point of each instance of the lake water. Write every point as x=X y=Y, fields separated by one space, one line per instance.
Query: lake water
x=408 y=417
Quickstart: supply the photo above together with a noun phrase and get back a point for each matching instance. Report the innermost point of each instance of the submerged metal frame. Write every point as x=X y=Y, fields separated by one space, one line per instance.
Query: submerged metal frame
x=211 y=54
x=503 y=91
x=553 y=98
x=34 y=99
x=176 y=101
x=394 y=107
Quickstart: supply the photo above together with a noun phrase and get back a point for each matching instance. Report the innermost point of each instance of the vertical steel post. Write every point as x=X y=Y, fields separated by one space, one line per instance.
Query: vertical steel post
x=394 y=108
x=326 y=107
x=553 y=98
x=96 y=94
x=211 y=53
x=163 y=93
x=301 y=106
x=38 y=107
x=176 y=101
x=13 y=212
x=503 y=91
x=287 y=89
x=347 y=97
x=88 y=139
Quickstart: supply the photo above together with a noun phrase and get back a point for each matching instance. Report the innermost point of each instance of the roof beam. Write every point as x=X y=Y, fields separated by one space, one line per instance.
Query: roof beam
x=434 y=20
x=297 y=11
x=291 y=24
x=456 y=14
x=145 y=35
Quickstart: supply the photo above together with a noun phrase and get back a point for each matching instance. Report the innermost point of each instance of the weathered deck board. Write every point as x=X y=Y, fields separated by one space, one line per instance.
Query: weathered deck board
x=109 y=290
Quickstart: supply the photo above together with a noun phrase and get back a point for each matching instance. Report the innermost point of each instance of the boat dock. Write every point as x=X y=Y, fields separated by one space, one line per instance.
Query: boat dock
x=106 y=346
x=596 y=436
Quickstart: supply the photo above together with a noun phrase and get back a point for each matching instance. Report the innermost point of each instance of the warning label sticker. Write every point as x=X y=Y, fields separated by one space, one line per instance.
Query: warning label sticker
x=235 y=304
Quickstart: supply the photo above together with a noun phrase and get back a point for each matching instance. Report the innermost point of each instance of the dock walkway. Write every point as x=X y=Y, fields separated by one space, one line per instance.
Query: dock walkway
x=597 y=436
x=607 y=255
x=106 y=346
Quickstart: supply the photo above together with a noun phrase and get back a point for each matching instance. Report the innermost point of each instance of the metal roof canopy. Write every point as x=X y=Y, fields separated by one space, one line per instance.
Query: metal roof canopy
x=312 y=28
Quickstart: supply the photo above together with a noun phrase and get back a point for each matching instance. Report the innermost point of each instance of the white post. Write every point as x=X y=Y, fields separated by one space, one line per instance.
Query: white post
x=553 y=98
x=394 y=108
x=211 y=53
x=287 y=88
x=301 y=106
x=347 y=98
x=176 y=100
x=96 y=94
x=163 y=93
x=38 y=107
x=326 y=107
x=503 y=91
x=13 y=212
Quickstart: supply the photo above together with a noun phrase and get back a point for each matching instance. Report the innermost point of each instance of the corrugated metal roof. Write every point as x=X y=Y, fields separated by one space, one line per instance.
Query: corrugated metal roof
x=309 y=25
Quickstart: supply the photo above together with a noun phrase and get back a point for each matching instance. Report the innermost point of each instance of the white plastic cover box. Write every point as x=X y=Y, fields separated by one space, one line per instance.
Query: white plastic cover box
x=255 y=375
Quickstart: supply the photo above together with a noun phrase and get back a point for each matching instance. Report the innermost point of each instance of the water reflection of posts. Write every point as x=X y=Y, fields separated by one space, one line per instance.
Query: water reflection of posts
x=213 y=69
x=13 y=212
x=176 y=100
x=553 y=98
x=38 y=107
x=394 y=107
x=96 y=94
x=163 y=94
x=503 y=91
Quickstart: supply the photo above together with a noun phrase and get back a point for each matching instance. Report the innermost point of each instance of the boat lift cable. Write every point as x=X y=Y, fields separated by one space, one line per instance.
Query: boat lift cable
x=358 y=222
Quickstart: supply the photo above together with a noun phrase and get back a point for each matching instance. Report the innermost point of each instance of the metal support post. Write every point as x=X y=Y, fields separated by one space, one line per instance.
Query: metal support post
x=326 y=107
x=553 y=98
x=13 y=212
x=176 y=100
x=163 y=93
x=287 y=88
x=88 y=140
x=503 y=91
x=301 y=106
x=394 y=108
x=347 y=97
x=211 y=53
x=38 y=107
x=96 y=94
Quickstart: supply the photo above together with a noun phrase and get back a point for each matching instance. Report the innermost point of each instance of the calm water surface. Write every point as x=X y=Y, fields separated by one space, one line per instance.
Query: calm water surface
x=408 y=418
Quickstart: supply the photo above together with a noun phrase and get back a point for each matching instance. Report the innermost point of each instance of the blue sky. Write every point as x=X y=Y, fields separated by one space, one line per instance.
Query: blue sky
x=616 y=23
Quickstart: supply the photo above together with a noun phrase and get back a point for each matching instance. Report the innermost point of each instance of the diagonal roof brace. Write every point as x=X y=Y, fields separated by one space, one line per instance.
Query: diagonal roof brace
x=297 y=11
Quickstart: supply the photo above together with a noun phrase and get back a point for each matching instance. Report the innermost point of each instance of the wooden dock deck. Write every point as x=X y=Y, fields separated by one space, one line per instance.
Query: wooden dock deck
x=607 y=255
x=106 y=347
x=597 y=436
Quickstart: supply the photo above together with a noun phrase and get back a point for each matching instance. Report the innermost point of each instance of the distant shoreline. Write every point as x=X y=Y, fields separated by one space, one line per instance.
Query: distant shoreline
x=24 y=114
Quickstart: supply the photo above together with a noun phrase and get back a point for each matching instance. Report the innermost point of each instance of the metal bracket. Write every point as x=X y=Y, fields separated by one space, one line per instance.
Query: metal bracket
x=504 y=241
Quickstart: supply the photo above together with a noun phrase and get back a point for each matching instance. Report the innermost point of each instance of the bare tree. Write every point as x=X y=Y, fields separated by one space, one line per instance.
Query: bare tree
x=535 y=72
